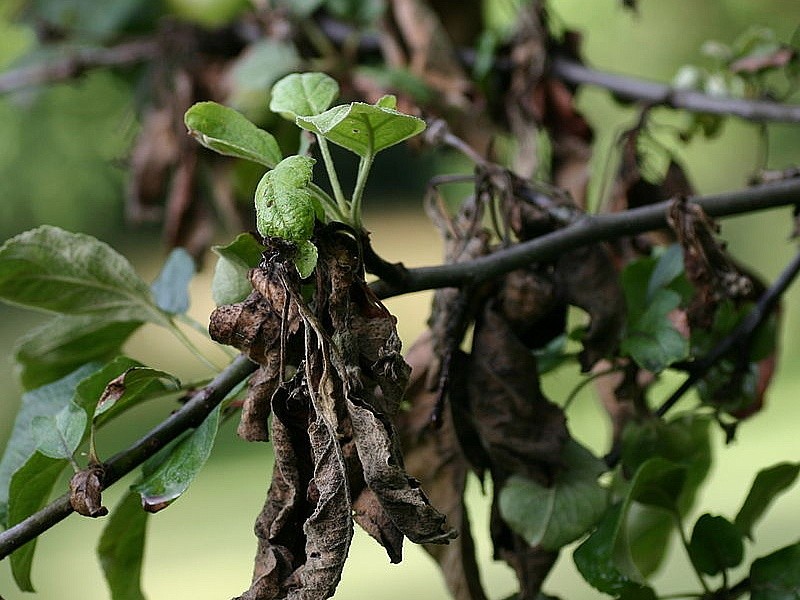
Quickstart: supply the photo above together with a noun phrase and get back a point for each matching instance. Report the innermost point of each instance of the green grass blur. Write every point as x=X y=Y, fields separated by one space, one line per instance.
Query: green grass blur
x=61 y=162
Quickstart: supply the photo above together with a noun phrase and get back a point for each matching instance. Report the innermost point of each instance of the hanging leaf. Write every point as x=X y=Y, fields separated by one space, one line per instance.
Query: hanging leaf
x=229 y=132
x=59 y=435
x=559 y=514
x=303 y=94
x=50 y=269
x=777 y=575
x=231 y=283
x=135 y=385
x=121 y=548
x=171 y=287
x=172 y=477
x=365 y=129
x=64 y=343
x=716 y=545
x=768 y=484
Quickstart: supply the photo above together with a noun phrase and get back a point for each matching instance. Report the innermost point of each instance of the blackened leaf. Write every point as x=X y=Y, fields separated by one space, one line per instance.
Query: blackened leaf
x=231 y=283
x=173 y=477
x=54 y=270
x=716 y=545
x=228 y=132
x=135 y=385
x=59 y=435
x=652 y=340
x=47 y=400
x=303 y=94
x=121 y=548
x=65 y=343
x=777 y=575
x=559 y=514
x=28 y=492
x=171 y=287
x=768 y=484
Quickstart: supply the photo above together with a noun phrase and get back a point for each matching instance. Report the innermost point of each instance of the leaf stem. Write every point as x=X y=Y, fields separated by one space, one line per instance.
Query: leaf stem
x=200 y=328
x=364 y=167
x=328 y=203
x=332 y=176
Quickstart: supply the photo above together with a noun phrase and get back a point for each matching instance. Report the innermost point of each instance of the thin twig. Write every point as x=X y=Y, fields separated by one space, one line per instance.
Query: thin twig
x=587 y=230
x=189 y=416
x=75 y=62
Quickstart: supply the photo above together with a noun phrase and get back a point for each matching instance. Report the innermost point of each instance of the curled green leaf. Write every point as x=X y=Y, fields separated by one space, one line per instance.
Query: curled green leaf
x=285 y=207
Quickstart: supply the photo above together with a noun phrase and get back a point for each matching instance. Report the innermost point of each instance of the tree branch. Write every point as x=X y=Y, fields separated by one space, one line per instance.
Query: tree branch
x=587 y=230
x=650 y=92
x=75 y=63
x=190 y=415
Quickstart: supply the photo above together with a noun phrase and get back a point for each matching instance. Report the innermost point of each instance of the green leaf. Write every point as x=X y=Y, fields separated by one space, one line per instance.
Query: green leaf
x=28 y=491
x=668 y=268
x=303 y=94
x=305 y=258
x=716 y=545
x=173 y=476
x=64 y=343
x=362 y=11
x=284 y=206
x=133 y=386
x=365 y=129
x=557 y=515
x=594 y=557
x=262 y=64
x=652 y=341
x=230 y=283
x=171 y=287
x=47 y=400
x=768 y=484
x=777 y=575
x=121 y=548
x=59 y=435
x=50 y=269
x=229 y=132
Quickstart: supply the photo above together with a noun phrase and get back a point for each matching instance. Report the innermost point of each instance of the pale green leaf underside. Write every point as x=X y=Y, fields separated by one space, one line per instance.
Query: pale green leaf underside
x=59 y=435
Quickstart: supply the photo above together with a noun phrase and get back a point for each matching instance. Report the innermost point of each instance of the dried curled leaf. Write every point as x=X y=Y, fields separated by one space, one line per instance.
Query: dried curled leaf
x=85 y=492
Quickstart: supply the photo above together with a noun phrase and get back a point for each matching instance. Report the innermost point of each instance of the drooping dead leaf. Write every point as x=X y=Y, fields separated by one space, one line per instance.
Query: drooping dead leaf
x=85 y=492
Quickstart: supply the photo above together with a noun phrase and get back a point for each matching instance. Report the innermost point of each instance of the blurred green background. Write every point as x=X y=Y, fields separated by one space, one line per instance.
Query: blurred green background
x=62 y=158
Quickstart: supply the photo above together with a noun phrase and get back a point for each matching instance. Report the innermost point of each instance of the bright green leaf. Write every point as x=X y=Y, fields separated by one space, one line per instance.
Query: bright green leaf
x=171 y=287
x=387 y=101
x=121 y=548
x=306 y=258
x=50 y=269
x=28 y=491
x=777 y=575
x=173 y=476
x=59 y=435
x=557 y=515
x=365 y=129
x=133 y=386
x=652 y=340
x=303 y=94
x=716 y=545
x=768 y=484
x=229 y=132
x=47 y=400
x=230 y=283
x=64 y=343
x=284 y=206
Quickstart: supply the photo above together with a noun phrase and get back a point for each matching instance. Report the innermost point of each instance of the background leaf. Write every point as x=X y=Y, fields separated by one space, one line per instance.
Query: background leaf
x=229 y=132
x=777 y=575
x=50 y=269
x=652 y=340
x=230 y=283
x=59 y=435
x=768 y=484
x=303 y=94
x=121 y=548
x=716 y=545
x=171 y=287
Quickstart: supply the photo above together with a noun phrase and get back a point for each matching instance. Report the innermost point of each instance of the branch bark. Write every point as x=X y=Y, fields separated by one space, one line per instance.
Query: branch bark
x=190 y=415
x=589 y=229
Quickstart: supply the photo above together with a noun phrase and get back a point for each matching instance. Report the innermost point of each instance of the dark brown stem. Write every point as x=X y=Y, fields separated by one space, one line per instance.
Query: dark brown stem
x=190 y=415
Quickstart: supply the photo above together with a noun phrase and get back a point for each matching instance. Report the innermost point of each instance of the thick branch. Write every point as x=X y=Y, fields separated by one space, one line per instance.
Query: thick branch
x=589 y=229
x=190 y=415
x=650 y=92
x=75 y=63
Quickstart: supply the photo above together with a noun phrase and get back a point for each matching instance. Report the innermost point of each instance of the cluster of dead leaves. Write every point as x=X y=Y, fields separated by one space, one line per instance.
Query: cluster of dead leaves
x=332 y=376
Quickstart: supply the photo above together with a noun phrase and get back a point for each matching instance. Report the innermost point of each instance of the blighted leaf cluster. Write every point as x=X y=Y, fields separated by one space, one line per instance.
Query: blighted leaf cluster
x=331 y=376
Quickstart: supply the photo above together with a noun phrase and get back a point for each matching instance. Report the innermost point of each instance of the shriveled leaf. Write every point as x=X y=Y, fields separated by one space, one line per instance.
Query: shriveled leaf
x=59 y=435
x=303 y=94
x=131 y=387
x=121 y=548
x=231 y=283
x=86 y=492
x=715 y=545
x=173 y=477
x=284 y=206
x=47 y=400
x=171 y=287
x=768 y=484
x=28 y=492
x=652 y=340
x=229 y=132
x=50 y=269
x=777 y=575
x=64 y=343
x=559 y=514
x=365 y=129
